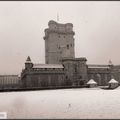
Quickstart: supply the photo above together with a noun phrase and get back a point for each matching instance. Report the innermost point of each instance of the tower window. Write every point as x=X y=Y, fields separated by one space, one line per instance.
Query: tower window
x=75 y=68
x=71 y=45
x=80 y=77
x=67 y=46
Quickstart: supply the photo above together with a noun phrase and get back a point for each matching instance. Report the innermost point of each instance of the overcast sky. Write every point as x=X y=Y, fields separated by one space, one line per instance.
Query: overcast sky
x=22 y=23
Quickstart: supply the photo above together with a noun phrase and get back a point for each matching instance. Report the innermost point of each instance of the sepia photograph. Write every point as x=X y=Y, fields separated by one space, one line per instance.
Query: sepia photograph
x=59 y=60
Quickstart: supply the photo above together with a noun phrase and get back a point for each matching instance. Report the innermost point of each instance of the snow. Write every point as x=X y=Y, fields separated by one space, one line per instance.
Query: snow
x=82 y=103
x=113 y=81
x=91 y=81
x=48 y=66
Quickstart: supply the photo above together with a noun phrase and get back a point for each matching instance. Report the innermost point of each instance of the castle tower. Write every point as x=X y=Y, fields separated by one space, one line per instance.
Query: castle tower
x=28 y=63
x=59 y=42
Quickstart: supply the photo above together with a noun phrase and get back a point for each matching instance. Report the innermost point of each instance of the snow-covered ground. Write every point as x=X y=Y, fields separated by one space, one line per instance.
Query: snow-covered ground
x=68 y=103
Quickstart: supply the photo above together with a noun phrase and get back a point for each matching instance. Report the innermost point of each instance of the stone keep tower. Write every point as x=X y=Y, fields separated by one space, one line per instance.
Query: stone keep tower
x=59 y=42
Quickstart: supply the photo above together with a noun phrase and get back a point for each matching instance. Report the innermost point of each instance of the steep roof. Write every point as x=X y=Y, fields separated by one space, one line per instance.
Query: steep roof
x=91 y=81
x=48 y=66
x=113 y=81
x=28 y=60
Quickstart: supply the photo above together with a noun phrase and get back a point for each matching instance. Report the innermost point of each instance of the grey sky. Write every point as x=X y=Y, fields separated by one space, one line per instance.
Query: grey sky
x=22 y=24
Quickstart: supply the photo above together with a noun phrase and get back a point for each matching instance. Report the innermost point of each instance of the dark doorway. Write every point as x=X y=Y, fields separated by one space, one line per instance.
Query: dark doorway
x=81 y=82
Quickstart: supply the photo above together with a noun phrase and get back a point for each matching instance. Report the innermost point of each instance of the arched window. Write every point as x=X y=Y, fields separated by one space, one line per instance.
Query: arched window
x=98 y=79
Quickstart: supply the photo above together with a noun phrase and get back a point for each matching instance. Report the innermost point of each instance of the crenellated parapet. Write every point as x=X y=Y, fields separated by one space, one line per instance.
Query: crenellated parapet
x=44 y=70
x=94 y=69
x=75 y=59
x=54 y=27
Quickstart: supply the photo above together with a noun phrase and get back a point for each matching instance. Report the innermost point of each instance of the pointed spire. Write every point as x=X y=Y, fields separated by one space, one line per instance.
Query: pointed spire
x=28 y=63
x=110 y=62
x=57 y=17
x=28 y=58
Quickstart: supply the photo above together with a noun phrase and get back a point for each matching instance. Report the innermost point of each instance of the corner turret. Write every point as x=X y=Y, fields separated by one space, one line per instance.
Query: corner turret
x=28 y=63
x=110 y=63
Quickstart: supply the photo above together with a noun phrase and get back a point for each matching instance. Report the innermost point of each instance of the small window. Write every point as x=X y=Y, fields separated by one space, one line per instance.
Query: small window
x=80 y=77
x=64 y=36
x=71 y=45
x=59 y=36
x=75 y=68
x=67 y=46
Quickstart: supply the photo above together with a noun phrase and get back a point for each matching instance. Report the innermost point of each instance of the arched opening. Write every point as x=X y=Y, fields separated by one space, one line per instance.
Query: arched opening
x=98 y=79
x=67 y=46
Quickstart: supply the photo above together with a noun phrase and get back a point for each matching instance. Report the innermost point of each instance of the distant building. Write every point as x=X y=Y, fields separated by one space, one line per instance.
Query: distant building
x=9 y=81
x=62 y=68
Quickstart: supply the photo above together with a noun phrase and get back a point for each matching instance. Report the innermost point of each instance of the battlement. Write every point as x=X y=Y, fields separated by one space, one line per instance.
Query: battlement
x=97 y=66
x=81 y=59
x=74 y=59
x=54 y=27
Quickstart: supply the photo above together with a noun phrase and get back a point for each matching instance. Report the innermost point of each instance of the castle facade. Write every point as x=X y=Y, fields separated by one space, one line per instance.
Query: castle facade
x=62 y=68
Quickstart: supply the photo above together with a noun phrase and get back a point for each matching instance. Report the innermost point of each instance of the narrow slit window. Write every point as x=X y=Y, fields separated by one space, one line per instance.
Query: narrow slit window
x=67 y=46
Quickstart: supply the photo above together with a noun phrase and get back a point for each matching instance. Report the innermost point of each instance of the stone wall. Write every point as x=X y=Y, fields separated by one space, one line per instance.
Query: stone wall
x=9 y=81
x=75 y=70
x=43 y=78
